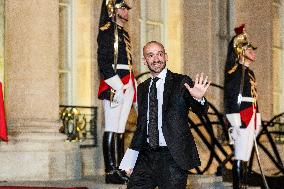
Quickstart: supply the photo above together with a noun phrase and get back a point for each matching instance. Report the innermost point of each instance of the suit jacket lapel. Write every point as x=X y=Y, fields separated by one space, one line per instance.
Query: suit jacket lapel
x=143 y=106
x=167 y=91
x=144 y=96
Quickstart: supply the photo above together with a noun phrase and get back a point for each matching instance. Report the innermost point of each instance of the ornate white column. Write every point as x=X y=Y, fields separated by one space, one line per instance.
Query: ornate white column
x=36 y=150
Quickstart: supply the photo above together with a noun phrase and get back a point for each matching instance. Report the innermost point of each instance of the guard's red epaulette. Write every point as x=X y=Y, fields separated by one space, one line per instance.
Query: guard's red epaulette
x=106 y=26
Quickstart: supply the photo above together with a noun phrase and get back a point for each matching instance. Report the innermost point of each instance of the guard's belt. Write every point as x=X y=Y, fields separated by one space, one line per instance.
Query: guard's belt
x=248 y=99
x=122 y=66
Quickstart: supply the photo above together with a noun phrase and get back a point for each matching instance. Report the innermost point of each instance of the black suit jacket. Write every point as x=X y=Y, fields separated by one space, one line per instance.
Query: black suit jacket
x=176 y=105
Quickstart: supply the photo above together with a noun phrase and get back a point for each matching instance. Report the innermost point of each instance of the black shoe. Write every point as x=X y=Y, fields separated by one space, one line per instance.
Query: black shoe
x=115 y=177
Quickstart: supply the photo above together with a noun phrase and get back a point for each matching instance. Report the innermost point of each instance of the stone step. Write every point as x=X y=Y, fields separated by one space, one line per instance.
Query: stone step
x=97 y=182
x=209 y=182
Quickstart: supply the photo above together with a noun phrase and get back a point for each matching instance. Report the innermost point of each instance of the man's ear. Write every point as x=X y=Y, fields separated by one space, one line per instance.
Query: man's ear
x=166 y=57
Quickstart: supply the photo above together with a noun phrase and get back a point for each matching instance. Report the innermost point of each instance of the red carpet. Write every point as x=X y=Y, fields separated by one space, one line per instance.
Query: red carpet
x=36 y=187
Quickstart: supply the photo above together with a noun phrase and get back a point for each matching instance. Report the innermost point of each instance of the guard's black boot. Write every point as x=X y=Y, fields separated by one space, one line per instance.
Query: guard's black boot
x=238 y=174
x=120 y=153
x=245 y=175
x=113 y=175
x=119 y=147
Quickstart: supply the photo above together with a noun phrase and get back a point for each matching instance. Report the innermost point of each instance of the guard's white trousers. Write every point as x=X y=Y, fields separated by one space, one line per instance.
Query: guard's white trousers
x=116 y=117
x=244 y=141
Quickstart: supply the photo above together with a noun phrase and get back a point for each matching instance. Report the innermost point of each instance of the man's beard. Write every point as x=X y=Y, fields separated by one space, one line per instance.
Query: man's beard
x=159 y=70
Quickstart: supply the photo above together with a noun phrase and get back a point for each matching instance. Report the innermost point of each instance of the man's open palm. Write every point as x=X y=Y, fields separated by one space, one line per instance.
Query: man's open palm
x=199 y=88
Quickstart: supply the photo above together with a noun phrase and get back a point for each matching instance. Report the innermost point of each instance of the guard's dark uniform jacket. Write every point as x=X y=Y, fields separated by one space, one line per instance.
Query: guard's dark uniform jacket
x=106 y=57
x=232 y=89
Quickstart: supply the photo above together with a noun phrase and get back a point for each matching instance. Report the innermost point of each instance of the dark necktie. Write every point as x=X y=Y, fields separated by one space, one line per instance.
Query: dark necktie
x=153 y=131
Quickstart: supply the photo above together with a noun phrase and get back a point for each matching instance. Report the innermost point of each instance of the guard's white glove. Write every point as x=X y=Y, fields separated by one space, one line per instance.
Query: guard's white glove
x=234 y=132
x=116 y=84
x=117 y=98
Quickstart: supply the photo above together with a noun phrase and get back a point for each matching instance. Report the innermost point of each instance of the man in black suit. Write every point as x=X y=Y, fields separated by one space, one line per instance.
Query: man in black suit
x=163 y=157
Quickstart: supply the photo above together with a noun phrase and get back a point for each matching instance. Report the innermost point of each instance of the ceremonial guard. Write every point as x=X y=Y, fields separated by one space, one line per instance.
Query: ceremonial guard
x=240 y=100
x=117 y=85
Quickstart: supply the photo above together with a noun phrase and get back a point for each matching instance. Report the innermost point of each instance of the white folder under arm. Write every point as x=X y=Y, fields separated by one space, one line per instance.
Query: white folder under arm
x=129 y=159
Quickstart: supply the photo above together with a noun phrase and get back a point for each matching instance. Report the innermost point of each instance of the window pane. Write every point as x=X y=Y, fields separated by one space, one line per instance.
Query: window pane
x=153 y=32
x=154 y=10
x=63 y=30
x=65 y=49
x=63 y=91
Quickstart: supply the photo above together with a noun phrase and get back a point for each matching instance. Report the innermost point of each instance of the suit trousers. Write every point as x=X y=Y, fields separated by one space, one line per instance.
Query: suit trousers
x=156 y=167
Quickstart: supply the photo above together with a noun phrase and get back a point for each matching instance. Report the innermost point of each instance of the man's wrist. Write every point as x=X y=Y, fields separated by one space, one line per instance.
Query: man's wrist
x=201 y=101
